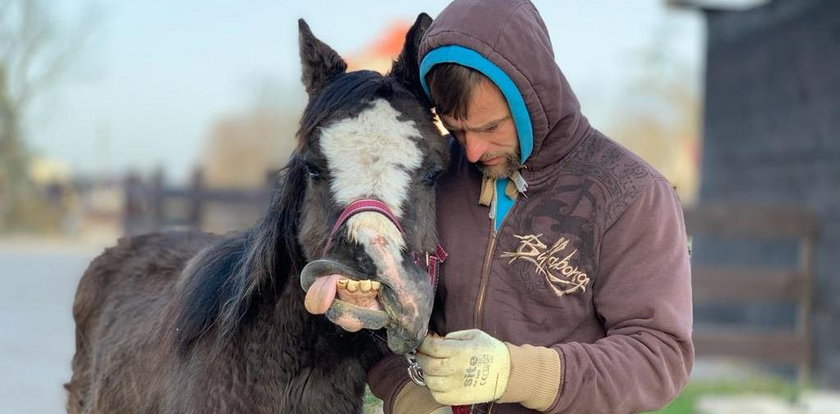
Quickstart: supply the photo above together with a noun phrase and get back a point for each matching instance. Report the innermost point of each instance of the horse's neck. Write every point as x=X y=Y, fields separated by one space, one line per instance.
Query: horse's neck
x=283 y=341
x=299 y=360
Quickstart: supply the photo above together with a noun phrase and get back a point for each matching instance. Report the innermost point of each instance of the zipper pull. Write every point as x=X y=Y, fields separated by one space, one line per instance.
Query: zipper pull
x=519 y=182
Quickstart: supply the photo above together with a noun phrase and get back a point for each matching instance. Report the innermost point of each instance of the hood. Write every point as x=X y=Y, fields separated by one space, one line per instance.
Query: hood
x=509 y=43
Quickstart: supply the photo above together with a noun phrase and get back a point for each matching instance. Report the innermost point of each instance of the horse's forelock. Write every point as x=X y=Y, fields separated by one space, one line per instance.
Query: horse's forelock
x=346 y=95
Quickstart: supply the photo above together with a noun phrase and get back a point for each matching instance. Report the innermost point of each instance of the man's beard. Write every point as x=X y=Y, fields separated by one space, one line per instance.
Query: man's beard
x=502 y=169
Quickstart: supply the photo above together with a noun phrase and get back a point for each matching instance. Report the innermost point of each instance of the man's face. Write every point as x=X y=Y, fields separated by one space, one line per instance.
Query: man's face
x=487 y=134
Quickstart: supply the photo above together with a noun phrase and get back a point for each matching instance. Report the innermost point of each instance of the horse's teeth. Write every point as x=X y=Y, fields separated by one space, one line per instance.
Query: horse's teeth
x=354 y=286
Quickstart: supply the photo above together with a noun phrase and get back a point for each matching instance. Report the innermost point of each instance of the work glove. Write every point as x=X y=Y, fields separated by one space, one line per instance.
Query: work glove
x=464 y=367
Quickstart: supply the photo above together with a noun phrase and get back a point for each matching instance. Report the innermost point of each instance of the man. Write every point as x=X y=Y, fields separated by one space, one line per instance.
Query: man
x=567 y=288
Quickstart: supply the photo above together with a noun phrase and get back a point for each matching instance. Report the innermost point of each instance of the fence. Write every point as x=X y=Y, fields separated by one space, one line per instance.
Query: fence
x=154 y=205
x=724 y=284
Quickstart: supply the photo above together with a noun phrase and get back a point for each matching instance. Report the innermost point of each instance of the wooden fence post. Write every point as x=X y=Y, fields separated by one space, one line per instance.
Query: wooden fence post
x=132 y=218
x=197 y=198
x=158 y=200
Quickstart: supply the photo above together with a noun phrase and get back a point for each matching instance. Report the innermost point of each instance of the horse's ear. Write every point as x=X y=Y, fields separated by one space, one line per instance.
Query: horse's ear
x=320 y=62
x=407 y=69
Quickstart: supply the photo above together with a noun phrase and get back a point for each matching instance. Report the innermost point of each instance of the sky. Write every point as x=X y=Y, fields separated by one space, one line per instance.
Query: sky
x=157 y=74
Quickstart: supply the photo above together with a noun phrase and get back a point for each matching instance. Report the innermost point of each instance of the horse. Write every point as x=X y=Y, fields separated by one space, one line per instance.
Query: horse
x=190 y=322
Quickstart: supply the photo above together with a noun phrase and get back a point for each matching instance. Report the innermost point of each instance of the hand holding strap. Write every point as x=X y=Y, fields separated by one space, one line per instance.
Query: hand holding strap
x=465 y=367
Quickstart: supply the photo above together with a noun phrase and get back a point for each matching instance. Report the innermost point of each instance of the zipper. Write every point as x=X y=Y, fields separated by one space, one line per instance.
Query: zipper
x=485 y=279
x=485 y=270
x=485 y=275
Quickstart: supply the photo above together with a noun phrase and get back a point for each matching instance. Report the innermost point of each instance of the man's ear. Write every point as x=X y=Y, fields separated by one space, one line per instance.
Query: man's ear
x=407 y=69
x=320 y=63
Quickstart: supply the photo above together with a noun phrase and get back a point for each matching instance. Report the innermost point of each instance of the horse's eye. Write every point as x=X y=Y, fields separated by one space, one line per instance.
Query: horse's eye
x=431 y=177
x=313 y=171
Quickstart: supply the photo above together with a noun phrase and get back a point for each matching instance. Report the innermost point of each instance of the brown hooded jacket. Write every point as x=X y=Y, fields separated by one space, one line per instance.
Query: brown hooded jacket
x=590 y=263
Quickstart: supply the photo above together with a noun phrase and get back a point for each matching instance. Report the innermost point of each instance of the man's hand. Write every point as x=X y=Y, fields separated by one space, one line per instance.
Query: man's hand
x=465 y=367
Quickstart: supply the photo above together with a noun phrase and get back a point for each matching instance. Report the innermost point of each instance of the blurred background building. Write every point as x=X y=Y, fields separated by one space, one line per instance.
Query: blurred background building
x=771 y=136
x=124 y=117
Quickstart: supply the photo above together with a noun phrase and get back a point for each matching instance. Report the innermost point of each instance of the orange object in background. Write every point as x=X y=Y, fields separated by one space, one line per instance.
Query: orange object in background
x=381 y=52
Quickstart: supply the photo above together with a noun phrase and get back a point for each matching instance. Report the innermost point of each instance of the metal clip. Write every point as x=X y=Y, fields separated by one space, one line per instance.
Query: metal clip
x=414 y=370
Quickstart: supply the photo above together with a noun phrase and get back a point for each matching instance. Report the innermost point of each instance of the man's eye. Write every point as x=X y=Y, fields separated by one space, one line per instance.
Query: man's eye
x=491 y=128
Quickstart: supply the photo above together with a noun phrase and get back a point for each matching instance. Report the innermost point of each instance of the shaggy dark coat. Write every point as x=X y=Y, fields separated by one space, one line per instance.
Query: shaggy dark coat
x=189 y=322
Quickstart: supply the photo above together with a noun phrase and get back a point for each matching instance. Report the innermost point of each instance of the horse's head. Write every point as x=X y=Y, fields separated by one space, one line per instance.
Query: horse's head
x=364 y=136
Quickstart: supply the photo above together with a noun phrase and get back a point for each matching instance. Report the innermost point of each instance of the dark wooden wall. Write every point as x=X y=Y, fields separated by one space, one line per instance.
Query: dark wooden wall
x=772 y=136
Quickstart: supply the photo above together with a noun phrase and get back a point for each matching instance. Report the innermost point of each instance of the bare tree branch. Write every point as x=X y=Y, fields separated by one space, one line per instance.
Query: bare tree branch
x=35 y=53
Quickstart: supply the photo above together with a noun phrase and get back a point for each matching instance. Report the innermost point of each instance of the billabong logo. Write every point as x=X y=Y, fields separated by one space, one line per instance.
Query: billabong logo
x=552 y=262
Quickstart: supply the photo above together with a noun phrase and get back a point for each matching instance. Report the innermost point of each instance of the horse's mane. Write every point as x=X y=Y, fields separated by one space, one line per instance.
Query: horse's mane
x=221 y=286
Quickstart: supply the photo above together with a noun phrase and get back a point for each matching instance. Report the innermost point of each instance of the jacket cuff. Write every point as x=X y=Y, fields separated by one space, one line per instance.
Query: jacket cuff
x=386 y=378
x=535 y=378
x=414 y=399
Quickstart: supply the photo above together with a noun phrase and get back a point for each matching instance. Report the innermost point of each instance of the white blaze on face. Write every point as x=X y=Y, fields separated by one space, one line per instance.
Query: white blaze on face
x=370 y=156
x=364 y=226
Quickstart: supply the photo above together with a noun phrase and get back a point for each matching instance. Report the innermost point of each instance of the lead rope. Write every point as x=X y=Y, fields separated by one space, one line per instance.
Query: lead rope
x=415 y=373
x=433 y=262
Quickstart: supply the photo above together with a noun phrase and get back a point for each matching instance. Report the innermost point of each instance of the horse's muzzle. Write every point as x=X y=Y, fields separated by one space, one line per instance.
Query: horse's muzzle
x=402 y=302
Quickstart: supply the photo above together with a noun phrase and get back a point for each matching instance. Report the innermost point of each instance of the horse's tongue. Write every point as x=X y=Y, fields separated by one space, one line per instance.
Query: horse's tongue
x=321 y=294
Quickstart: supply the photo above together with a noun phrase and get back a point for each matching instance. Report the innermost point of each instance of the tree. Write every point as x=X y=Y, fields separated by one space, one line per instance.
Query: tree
x=243 y=146
x=660 y=117
x=35 y=53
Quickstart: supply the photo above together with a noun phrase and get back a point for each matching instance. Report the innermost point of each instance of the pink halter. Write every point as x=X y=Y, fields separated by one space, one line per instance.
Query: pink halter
x=432 y=259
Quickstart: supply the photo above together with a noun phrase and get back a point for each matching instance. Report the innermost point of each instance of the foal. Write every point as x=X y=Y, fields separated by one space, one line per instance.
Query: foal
x=189 y=322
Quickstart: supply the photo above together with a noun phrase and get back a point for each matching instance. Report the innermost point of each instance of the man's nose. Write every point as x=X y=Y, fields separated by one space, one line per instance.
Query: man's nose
x=474 y=147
